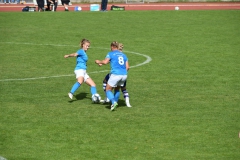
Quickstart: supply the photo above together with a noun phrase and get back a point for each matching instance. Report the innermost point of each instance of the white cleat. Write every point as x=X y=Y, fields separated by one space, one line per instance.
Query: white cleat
x=127 y=102
x=106 y=100
x=102 y=101
x=70 y=95
x=128 y=105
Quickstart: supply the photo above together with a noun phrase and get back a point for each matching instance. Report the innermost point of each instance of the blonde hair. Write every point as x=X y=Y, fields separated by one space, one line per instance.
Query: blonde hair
x=120 y=46
x=83 y=41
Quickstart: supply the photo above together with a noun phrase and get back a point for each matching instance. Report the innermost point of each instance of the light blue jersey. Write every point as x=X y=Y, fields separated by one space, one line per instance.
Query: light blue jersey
x=118 y=62
x=81 y=60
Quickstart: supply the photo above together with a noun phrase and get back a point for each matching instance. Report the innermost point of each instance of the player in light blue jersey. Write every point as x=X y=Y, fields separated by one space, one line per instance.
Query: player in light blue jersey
x=81 y=67
x=119 y=67
x=123 y=88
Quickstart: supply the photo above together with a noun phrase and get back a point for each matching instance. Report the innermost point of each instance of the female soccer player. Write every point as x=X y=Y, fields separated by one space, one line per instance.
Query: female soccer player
x=119 y=66
x=81 y=67
x=123 y=88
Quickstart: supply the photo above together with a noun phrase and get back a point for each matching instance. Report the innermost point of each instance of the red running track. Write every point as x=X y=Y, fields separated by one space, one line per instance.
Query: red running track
x=141 y=6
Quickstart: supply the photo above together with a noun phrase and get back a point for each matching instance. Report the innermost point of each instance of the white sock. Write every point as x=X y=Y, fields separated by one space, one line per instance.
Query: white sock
x=127 y=101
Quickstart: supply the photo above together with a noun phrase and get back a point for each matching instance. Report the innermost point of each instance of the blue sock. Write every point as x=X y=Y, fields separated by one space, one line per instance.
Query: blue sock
x=75 y=87
x=93 y=90
x=116 y=95
x=110 y=96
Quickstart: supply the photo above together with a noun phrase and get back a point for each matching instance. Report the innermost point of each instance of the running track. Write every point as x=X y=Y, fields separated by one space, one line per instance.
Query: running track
x=145 y=6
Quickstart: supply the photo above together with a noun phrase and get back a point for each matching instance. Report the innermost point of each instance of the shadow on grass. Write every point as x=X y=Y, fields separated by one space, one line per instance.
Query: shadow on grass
x=79 y=96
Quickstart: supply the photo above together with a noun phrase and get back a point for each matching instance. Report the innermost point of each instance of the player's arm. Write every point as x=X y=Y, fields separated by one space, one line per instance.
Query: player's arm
x=127 y=65
x=101 y=62
x=71 y=55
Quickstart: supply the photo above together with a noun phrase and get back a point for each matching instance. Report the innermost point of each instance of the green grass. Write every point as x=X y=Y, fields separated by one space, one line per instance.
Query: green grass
x=185 y=101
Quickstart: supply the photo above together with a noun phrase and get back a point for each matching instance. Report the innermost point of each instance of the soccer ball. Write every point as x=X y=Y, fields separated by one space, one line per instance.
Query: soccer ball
x=96 y=98
x=77 y=8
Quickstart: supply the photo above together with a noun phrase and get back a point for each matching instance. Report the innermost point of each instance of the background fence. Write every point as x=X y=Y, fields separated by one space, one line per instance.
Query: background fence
x=146 y=1
x=123 y=1
x=133 y=1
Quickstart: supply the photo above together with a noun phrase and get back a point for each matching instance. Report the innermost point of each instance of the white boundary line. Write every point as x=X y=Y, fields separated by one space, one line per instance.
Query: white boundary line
x=148 y=59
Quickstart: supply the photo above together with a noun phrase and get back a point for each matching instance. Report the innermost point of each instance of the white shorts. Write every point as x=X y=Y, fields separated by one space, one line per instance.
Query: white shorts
x=81 y=73
x=117 y=80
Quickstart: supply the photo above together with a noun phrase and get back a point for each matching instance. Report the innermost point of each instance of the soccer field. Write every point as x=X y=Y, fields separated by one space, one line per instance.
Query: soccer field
x=183 y=85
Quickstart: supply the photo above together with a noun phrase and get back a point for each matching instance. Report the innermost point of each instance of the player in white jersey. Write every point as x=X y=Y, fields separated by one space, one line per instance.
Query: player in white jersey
x=119 y=67
x=81 y=67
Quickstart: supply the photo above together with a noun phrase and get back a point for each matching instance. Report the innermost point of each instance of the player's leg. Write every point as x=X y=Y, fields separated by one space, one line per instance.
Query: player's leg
x=75 y=87
x=105 y=80
x=80 y=79
x=106 y=100
x=65 y=3
x=105 y=5
x=110 y=96
x=48 y=6
x=112 y=82
x=91 y=83
x=116 y=93
x=104 y=85
x=42 y=5
x=122 y=83
x=126 y=94
x=55 y=5
x=126 y=97
x=109 y=93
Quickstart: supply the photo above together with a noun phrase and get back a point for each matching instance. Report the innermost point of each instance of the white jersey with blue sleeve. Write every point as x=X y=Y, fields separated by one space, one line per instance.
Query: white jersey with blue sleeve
x=118 y=62
x=81 y=60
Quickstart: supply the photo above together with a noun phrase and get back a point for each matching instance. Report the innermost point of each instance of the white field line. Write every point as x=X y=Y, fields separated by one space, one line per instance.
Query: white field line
x=148 y=59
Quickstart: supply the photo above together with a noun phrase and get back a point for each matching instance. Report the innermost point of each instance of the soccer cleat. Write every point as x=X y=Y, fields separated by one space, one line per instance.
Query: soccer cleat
x=127 y=102
x=106 y=100
x=128 y=105
x=102 y=101
x=70 y=95
x=114 y=106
